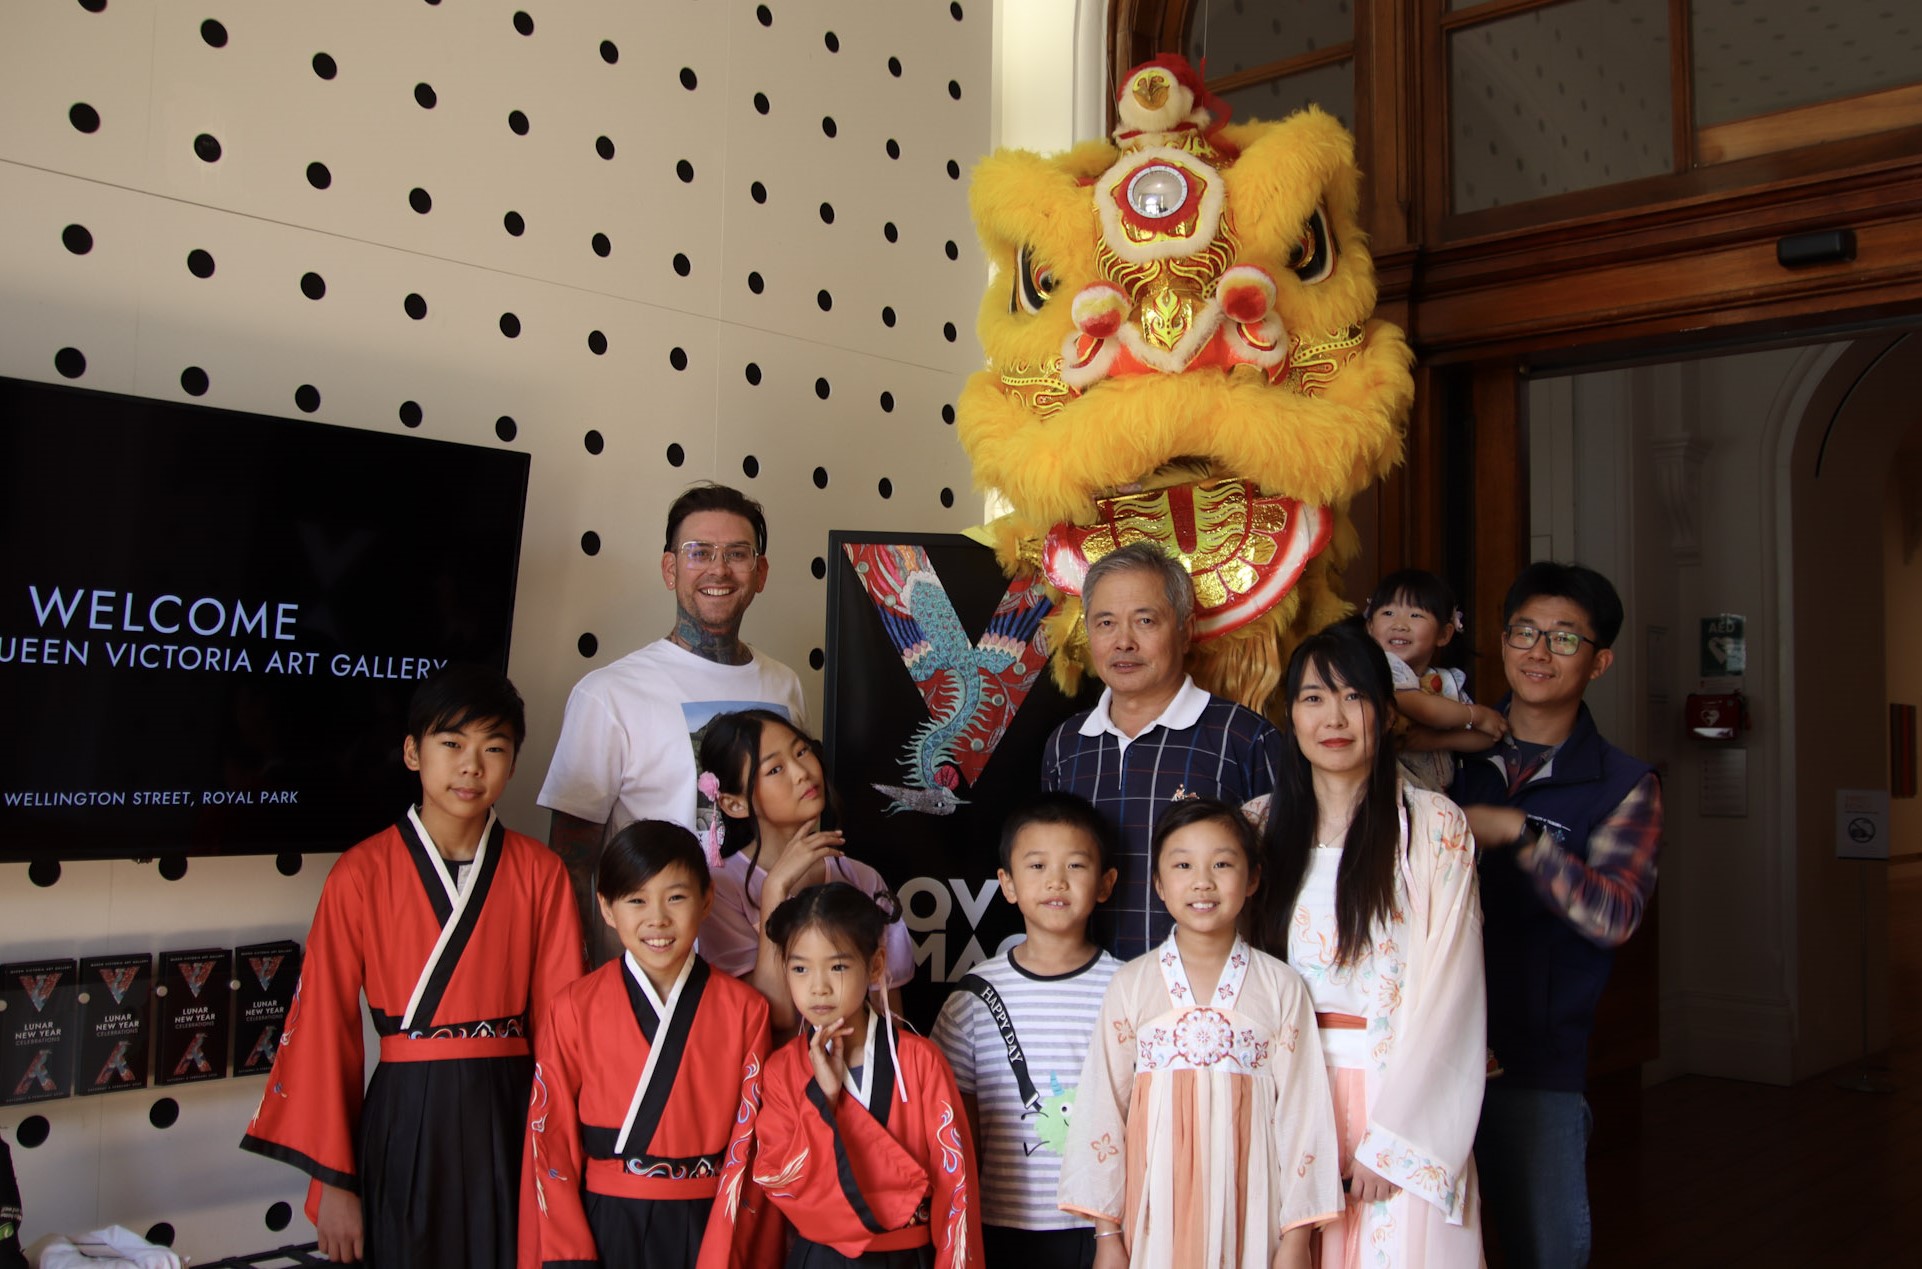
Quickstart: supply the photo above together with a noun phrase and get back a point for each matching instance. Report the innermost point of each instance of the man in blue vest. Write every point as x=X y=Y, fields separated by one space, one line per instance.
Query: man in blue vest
x=1568 y=827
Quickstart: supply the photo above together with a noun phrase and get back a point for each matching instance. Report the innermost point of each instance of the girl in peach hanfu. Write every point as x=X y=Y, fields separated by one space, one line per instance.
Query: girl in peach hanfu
x=1372 y=897
x=1202 y=1135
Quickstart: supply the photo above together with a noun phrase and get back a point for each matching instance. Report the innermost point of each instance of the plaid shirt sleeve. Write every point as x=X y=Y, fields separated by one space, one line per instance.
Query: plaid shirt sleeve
x=1602 y=897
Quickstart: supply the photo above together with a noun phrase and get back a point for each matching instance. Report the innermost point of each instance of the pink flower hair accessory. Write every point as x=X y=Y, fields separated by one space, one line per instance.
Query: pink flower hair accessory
x=710 y=786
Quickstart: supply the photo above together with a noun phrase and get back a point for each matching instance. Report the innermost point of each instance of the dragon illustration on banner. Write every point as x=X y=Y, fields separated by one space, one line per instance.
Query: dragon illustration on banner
x=1181 y=350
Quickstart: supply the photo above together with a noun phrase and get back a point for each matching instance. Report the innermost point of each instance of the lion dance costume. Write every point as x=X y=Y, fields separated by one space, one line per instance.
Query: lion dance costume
x=1180 y=350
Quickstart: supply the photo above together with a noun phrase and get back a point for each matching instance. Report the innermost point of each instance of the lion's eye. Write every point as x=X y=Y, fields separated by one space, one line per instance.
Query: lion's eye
x=1313 y=257
x=1034 y=283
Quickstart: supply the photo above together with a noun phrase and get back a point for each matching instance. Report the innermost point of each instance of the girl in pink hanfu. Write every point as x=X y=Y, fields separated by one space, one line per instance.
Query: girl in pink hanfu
x=1202 y=1135
x=1373 y=899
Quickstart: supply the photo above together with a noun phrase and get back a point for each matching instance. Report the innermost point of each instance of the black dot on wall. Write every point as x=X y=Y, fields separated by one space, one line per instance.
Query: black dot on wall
x=753 y=373
x=676 y=455
x=677 y=358
x=410 y=414
x=594 y=441
x=820 y=478
x=947 y=415
x=827 y=125
x=887 y=403
x=318 y=176
x=164 y=1113
x=32 y=1132
x=83 y=117
x=207 y=147
x=513 y=224
x=517 y=122
x=313 y=286
x=885 y=488
x=889 y=232
x=827 y=213
x=947 y=497
x=193 y=381
x=602 y=244
x=833 y=42
x=761 y=104
x=689 y=80
x=819 y=568
x=70 y=362
x=590 y=543
x=682 y=265
x=506 y=428
x=200 y=263
x=822 y=388
x=523 y=22
x=825 y=300
x=610 y=52
x=420 y=200
x=954 y=89
x=894 y=67
x=415 y=304
x=94 y=6
x=954 y=170
x=755 y=283
x=77 y=239
x=596 y=342
x=424 y=94
x=764 y=15
x=948 y=332
x=510 y=326
x=43 y=872
x=307 y=398
x=887 y=316
x=685 y=171
x=604 y=146
x=588 y=644
x=954 y=252
x=894 y=148
x=816 y=659
x=750 y=467
x=172 y=866
x=325 y=66
x=161 y=1235
x=758 y=192
x=214 y=33
x=287 y=863
x=954 y=10
x=280 y=1216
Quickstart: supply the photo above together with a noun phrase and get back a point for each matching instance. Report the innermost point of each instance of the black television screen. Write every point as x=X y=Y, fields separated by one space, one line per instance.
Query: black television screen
x=211 y=622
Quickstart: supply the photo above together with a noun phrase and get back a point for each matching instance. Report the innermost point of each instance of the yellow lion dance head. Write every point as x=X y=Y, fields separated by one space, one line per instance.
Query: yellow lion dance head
x=1180 y=350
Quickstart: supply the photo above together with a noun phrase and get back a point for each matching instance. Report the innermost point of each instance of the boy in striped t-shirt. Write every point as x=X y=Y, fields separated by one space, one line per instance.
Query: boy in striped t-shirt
x=1017 y=1029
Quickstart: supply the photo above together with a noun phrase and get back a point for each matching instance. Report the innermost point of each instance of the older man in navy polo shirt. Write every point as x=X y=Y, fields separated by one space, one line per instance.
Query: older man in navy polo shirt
x=1154 y=737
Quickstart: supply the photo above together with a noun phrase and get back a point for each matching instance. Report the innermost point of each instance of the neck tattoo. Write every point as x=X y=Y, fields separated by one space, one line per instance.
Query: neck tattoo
x=721 y=647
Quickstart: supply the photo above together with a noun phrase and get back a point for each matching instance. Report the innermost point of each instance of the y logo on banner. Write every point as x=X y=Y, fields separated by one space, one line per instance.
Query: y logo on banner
x=118 y=979
x=39 y=987
x=196 y=974
x=971 y=690
x=265 y=967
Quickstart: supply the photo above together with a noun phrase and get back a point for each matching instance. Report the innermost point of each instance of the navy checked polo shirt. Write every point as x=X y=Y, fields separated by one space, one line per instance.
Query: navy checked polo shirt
x=1201 y=746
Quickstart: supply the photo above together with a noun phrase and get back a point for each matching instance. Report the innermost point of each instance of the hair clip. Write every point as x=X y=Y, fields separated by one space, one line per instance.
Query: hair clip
x=1458 y=621
x=710 y=786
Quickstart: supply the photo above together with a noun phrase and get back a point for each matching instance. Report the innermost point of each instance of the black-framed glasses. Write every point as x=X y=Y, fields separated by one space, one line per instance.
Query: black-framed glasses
x=735 y=555
x=1563 y=643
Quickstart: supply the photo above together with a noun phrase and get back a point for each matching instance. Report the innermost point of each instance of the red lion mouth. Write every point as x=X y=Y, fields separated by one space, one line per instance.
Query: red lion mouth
x=1244 y=551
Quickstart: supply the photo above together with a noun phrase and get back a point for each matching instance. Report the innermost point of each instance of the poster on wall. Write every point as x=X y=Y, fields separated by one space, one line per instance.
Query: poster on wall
x=211 y=623
x=194 y=1013
x=36 y=1031
x=268 y=974
x=938 y=707
x=116 y=995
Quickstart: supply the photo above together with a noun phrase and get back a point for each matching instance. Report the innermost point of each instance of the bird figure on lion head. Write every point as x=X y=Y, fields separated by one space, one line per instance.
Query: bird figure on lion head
x=1181 y=350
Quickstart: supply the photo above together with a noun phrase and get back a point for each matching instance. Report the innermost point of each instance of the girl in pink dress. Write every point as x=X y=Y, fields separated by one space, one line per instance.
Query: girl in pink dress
x=1372 y=898
x=1201 y=1135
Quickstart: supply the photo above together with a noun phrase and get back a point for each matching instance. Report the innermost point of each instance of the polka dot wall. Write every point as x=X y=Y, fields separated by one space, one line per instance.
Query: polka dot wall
x=645 y=244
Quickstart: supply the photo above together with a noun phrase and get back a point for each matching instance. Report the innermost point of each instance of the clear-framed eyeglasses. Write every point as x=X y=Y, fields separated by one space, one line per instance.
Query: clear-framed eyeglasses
x=738 y=556
x=1563 y=643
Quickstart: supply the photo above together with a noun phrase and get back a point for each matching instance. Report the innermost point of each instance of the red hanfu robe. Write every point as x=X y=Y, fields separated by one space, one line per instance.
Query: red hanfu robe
x=687 y=1139
x=884 y=1176
x=454 y=1040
